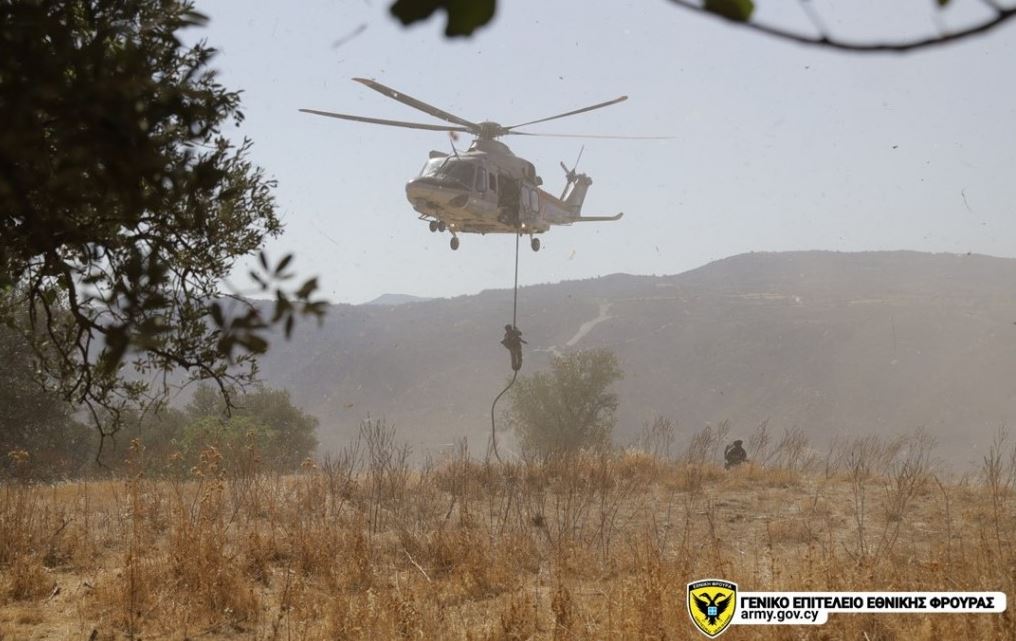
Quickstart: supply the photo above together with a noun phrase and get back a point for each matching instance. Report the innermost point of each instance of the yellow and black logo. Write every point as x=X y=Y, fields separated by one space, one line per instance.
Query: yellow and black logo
x=711 y=604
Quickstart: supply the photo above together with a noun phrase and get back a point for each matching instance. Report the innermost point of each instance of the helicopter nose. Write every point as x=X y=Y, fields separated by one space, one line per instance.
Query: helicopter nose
x=426 y=181
x=422 y=189
x=427 y=189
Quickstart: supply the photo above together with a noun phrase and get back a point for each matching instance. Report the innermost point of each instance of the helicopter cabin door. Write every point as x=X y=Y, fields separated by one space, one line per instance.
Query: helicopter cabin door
x=508 y=199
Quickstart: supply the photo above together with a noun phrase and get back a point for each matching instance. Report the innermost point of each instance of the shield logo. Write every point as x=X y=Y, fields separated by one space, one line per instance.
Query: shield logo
x=711 y=605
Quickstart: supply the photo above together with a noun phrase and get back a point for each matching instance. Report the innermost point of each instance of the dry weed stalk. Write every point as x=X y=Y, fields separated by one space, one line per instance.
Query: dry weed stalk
x=594 y=545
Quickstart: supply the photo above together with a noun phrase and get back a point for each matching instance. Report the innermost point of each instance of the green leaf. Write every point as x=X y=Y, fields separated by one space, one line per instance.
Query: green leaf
x=217 y=316
x=282 y=307
x=116 y=346
x=288 y=258
x=317 y=308
x=736 y=10
x=464 y=16
x=192 y=18
x=410 y=11
x=307 y=289
x=942 y=3
x=224 y=346
x=255 y=344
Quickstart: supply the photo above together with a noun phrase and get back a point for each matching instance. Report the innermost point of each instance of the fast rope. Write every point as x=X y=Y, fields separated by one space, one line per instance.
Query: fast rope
x=515 y=373
x=515 y=296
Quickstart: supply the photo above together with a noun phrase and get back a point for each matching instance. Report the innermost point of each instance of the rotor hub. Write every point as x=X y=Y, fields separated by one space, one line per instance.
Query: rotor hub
x=490 y=130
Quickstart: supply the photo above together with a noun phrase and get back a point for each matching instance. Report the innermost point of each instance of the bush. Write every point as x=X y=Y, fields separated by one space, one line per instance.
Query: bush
x=568 y=408
x=264 y=423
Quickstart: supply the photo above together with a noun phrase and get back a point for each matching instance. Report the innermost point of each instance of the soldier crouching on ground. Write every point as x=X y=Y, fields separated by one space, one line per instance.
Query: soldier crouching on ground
x=734 y=455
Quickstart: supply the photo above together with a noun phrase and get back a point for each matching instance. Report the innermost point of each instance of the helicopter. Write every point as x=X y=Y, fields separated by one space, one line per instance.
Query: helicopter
x=487 y=189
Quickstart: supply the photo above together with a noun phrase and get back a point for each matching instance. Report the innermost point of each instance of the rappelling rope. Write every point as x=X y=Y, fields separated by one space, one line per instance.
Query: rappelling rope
x=493 y=432
x=515 y=298
x=515 y=373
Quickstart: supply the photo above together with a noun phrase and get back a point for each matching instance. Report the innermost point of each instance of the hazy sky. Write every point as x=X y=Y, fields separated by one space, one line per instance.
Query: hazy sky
x=776 y=146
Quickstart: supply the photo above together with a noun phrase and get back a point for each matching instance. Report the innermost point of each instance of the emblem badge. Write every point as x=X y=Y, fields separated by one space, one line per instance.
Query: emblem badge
x=711 y=605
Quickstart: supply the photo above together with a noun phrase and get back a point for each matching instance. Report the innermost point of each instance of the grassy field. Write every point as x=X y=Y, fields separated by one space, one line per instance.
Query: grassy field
x=598 y=546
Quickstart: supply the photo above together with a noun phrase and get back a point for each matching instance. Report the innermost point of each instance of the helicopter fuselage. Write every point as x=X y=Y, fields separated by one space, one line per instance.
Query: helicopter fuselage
x=489 y=190
x=486 y=189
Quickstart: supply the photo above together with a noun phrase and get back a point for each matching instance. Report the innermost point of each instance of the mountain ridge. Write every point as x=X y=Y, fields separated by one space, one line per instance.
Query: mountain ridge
x=397 y=299
x=831 y=342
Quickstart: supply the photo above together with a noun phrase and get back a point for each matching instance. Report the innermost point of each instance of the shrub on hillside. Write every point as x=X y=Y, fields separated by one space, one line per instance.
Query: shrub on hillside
x=569 y=407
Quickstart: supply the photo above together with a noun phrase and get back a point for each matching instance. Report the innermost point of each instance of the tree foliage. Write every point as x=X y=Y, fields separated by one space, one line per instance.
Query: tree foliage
x=465 y=16
x=37 y=429
x=40 y=439
x=569 y=407
x=264 y=421
x=123 y=204
x=261 y=430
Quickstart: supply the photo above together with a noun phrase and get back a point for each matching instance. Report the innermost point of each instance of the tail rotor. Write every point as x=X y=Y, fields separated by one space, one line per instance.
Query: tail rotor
x=569 y=174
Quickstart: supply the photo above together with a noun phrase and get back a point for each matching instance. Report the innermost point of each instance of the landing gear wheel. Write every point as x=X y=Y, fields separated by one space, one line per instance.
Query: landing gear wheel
x=433 y=225
x=441 y=226
x=535 y=244
x=455 y=243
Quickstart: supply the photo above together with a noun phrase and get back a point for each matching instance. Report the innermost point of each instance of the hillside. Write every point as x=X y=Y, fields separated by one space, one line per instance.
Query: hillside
x=829 y=342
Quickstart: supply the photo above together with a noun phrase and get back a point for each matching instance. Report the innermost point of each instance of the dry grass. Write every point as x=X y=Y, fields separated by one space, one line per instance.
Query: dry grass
x=362 y=546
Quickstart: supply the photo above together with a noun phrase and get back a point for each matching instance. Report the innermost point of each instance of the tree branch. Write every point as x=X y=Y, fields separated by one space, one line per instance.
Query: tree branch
x=1001 y=16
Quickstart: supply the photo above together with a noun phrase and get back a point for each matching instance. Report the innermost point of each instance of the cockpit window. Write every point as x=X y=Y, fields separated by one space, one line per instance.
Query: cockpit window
x=460 y=171
x=431 y=166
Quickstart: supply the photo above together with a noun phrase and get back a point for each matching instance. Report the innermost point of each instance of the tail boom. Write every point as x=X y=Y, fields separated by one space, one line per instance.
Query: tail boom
x=597 y=219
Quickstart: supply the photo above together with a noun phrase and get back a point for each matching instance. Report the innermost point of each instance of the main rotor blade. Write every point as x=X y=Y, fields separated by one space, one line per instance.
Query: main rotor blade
x=380 y=121
x=572 y=113
x=417 y=104
x=523 y=133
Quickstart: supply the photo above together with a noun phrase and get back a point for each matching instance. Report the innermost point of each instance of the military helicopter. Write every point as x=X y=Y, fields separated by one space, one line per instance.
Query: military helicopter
x=487 y=189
